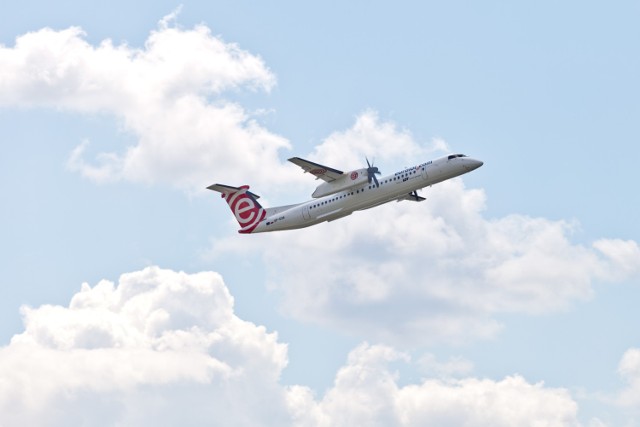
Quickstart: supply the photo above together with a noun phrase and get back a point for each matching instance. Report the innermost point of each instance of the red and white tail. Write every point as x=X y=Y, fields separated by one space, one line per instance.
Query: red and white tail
x=243 y=204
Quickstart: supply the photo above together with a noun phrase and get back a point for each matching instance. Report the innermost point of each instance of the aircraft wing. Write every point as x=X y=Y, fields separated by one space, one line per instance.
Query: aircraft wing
x=320 y=171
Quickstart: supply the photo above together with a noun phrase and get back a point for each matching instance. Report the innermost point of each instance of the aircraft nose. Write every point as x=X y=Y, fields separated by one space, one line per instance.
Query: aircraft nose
x=471 y=164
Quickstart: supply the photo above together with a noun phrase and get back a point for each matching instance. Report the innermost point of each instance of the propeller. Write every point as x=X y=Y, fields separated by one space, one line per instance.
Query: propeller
x=371 y=173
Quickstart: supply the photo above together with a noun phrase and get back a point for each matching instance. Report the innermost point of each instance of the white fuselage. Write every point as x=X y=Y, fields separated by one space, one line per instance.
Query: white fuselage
x=392 y=187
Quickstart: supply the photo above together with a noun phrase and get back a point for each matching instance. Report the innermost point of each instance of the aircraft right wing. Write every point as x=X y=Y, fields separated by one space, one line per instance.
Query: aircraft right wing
x=412 y=197
x=322 y=172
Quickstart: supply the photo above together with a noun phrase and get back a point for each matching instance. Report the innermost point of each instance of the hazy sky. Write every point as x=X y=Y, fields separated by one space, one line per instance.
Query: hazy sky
x=508 y=298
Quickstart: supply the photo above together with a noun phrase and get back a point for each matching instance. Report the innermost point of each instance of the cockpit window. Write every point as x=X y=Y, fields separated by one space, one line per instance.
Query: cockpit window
x=453 y=156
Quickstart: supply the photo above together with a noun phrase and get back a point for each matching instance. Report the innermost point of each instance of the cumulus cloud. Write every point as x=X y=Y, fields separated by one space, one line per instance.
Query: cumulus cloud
x=438 y=270
x=414 y=273
x=373 y=138
x=366 y=392
x=164 y=348
x=169 y=94
x=159 y=347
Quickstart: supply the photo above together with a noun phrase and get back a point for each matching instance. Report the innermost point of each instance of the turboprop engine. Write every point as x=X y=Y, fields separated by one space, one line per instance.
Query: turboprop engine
x=347 y=180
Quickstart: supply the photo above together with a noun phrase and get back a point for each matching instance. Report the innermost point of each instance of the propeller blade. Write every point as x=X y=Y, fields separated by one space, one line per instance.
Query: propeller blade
x=371 y=173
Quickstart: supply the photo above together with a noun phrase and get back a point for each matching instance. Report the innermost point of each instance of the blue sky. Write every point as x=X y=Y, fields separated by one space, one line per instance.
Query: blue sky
x=519 y=281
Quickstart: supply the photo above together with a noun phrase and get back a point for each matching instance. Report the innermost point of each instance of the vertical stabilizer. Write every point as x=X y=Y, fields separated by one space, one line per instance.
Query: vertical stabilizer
x=243 y=204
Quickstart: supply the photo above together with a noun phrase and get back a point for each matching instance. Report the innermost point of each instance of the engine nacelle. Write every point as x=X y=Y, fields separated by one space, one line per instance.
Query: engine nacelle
x=346 y=181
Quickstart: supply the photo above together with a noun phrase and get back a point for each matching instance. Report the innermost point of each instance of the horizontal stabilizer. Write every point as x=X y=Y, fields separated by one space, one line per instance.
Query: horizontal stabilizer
x=222 y=188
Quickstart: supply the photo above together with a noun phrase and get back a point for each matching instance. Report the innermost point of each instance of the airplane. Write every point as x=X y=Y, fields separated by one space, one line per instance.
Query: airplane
x=341 y=193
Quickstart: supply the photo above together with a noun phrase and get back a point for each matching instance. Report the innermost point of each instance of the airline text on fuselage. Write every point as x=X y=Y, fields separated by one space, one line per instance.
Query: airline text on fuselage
x=413 y=168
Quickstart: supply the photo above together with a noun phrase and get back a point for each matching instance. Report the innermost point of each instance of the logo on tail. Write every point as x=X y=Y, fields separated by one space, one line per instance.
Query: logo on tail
x=243 y=204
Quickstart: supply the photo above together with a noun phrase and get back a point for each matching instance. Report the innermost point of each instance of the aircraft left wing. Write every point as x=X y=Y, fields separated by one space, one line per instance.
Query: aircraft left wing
x=320 y=171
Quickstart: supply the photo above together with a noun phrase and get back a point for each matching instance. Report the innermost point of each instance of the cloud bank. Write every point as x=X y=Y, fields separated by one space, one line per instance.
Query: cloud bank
x=163 y=348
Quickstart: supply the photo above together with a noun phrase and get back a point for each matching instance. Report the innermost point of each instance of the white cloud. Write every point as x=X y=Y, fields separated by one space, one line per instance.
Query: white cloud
x=624 y=256
x=366 y=392
x=168 y=94
x=414 y=273
x=437 y=270
x=629 y=370
x=165 y=348
x=373 y=138
x=158 y=347
x=172 y=96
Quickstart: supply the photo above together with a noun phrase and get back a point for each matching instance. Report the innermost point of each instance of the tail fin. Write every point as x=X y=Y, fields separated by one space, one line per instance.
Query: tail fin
x=243 y=204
